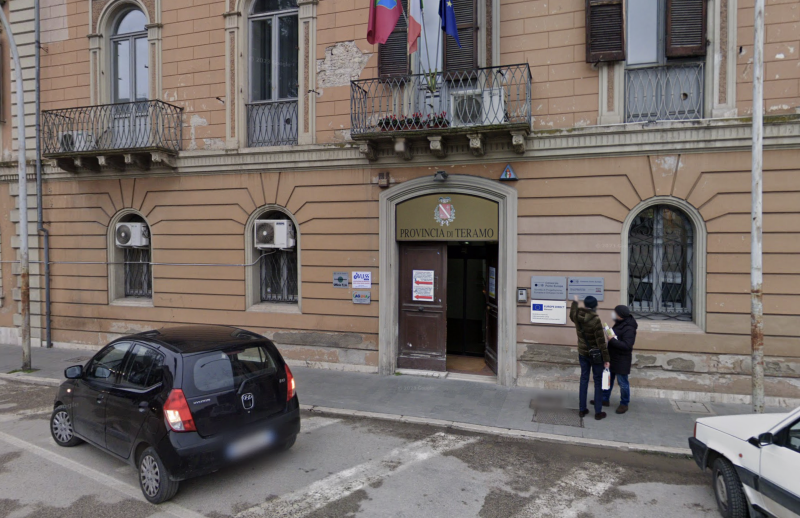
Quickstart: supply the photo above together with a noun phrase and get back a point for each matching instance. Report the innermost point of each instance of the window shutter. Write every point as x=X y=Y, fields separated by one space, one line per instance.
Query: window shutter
x=686 y=28
x=466 y=57
x=393 y=55
x=605 y=31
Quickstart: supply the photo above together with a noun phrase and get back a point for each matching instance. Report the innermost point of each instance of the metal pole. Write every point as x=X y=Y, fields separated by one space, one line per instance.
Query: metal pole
x=756 y=268
x=39 y=217
x=25 y=301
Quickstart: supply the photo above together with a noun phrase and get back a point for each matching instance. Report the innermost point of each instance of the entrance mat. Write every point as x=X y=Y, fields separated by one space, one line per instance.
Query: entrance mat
x=557 y=416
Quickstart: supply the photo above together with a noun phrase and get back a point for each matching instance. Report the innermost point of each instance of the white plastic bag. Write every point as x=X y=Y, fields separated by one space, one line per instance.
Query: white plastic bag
x=606 y=379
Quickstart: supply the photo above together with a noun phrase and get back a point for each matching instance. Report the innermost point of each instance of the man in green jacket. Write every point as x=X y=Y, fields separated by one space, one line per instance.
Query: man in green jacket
x=589 y=327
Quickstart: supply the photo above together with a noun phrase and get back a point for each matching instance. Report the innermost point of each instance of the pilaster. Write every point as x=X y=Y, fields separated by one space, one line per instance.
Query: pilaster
x=307 y=80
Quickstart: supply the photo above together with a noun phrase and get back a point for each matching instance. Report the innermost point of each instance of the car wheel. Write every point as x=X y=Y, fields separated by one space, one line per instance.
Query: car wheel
x=154 y=478
x=61 y=427
x=731 y=499
x=287 y=444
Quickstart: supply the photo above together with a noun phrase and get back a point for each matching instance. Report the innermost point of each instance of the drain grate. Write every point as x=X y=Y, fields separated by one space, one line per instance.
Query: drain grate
x=689 y=407
x=557 y=416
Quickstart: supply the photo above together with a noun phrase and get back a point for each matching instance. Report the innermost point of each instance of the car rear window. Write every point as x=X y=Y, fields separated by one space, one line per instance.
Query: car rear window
x=225 y=370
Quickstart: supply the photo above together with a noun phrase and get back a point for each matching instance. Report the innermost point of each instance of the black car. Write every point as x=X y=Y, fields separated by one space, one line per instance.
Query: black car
x=179 y=402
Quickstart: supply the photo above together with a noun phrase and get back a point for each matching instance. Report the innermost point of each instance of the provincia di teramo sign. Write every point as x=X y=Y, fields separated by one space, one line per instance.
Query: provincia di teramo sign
x=447 y=217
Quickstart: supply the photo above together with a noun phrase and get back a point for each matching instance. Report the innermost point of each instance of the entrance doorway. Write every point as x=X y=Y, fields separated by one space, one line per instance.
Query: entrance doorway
x=472 y=308
x=448 y=307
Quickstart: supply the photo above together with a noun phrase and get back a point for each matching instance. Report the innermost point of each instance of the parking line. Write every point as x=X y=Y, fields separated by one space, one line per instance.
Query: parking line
x=339 y=485
x=109 y=481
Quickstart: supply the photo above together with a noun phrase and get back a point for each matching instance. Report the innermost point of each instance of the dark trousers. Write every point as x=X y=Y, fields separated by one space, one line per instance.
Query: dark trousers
x=624 y=389
x=588 y=367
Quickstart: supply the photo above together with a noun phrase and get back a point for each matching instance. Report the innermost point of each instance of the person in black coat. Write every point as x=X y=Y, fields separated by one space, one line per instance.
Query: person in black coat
x=621 y=351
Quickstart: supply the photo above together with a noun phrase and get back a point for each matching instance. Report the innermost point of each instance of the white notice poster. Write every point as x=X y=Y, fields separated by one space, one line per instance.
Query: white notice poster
x=362 y=280
x=492 y=282
x=422 y=285
x=548 y=312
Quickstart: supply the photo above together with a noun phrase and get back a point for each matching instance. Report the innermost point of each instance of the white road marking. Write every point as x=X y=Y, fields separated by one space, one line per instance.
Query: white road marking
x=567 y=498
x=339 y=485
x=309 y=424
x=99 y=477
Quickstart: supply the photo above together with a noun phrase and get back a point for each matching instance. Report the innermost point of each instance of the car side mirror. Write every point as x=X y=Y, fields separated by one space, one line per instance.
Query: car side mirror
x=765 y=439
x=74 y=372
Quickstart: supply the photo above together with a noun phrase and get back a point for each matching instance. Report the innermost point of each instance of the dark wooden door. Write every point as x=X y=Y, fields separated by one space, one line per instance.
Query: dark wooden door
x=423 y=322
x=492 y=295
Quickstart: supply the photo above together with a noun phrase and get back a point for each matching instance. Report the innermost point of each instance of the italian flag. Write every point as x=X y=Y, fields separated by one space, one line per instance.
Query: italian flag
x=414 y=27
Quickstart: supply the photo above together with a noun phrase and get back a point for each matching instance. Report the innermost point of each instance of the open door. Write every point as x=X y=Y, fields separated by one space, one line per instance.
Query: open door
x=422 y=340
x=491 y=306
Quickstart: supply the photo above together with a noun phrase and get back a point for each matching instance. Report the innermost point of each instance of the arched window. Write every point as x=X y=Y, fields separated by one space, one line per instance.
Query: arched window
x=129 y=57
x=273 y=65
x=274 y=277
x=661 y=264
x=130 y=271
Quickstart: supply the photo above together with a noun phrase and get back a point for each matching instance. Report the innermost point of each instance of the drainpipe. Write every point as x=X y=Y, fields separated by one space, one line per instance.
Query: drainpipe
x=39 y=223
x=22 y=174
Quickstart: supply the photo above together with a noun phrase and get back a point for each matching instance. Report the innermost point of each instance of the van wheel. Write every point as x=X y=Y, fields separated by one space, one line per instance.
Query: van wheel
x=728 y=490
x=154 y=478
x=61 y=427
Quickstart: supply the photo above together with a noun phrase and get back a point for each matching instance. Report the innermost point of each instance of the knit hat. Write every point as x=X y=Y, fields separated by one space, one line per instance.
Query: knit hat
x=590 y=302
x=622 y=311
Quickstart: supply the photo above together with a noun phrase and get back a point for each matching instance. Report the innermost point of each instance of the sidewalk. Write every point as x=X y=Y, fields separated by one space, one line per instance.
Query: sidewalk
x=651 y=424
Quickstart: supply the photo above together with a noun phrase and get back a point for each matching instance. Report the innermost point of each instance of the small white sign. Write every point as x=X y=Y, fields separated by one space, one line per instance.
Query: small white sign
x=548 y=312
x=492 y=282
x=362 y=281
x=422 y=285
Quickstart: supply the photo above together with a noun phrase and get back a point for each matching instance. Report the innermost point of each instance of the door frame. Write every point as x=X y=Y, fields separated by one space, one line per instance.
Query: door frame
x=389 y=273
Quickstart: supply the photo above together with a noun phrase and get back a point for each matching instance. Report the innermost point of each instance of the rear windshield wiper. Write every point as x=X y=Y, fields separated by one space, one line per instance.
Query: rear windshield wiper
x=250 y=378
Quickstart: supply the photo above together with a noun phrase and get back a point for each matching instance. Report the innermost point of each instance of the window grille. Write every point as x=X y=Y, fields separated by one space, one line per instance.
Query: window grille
x=661 y=264
x=279 y=275
x=137 y=270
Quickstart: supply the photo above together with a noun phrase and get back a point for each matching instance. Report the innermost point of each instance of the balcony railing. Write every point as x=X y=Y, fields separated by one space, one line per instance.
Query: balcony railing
x=272 y=124
x=484 y=98
x=112 y=128
x=670 y=92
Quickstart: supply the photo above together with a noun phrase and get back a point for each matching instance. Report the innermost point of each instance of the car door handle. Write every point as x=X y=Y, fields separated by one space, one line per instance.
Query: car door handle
x=143 y=406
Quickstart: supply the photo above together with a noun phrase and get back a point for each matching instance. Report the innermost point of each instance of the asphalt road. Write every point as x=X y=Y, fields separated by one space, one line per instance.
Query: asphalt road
x=348 y=467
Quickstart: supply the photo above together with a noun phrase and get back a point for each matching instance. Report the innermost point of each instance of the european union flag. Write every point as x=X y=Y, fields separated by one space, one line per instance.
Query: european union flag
x=448 y=16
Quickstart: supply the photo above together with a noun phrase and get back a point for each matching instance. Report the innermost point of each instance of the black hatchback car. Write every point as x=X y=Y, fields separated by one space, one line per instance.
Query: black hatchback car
x=179 y=402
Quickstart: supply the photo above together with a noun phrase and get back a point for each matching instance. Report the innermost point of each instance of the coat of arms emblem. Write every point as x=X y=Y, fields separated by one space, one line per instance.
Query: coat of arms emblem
x=444 y=212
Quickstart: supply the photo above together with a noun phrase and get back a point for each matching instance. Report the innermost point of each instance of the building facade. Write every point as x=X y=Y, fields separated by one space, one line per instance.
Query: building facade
x=247 y=162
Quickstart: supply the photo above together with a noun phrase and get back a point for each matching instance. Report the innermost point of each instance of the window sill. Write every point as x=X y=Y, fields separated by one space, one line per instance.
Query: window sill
x=133 y=302
x=665 y=326
x=272 y=307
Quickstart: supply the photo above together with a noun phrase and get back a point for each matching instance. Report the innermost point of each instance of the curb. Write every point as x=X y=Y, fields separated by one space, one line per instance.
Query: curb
x=503 y=432
x=24 y=378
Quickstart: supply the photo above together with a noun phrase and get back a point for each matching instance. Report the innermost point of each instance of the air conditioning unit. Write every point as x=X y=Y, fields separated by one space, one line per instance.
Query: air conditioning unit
x=132 y=235
x=477 y=107
x=76 y=141
x=273 y=233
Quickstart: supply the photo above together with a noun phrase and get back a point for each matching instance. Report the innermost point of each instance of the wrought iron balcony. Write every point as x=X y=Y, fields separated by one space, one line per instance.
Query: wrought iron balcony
x=272 y=124
x=468 y=101
x=113 y=135
x=669 y=92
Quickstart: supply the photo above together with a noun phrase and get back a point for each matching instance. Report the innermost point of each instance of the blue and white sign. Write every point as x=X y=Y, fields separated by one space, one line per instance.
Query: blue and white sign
x=548 y=288
x=585 y=286
x=362 y=281
x=548 y=312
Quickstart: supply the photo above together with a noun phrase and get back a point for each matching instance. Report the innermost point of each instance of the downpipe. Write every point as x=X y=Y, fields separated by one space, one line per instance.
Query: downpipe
x=39 y=221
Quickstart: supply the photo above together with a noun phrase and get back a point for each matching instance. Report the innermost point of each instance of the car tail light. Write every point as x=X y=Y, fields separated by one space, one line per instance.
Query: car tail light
x=177 y=413
x=290 y=386
x=695 y=429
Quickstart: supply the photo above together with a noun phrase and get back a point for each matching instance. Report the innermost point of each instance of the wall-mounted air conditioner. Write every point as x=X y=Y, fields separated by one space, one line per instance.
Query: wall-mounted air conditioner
x=477 y=107
x=273 y=233
x=76 y=141
x=132 y=235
